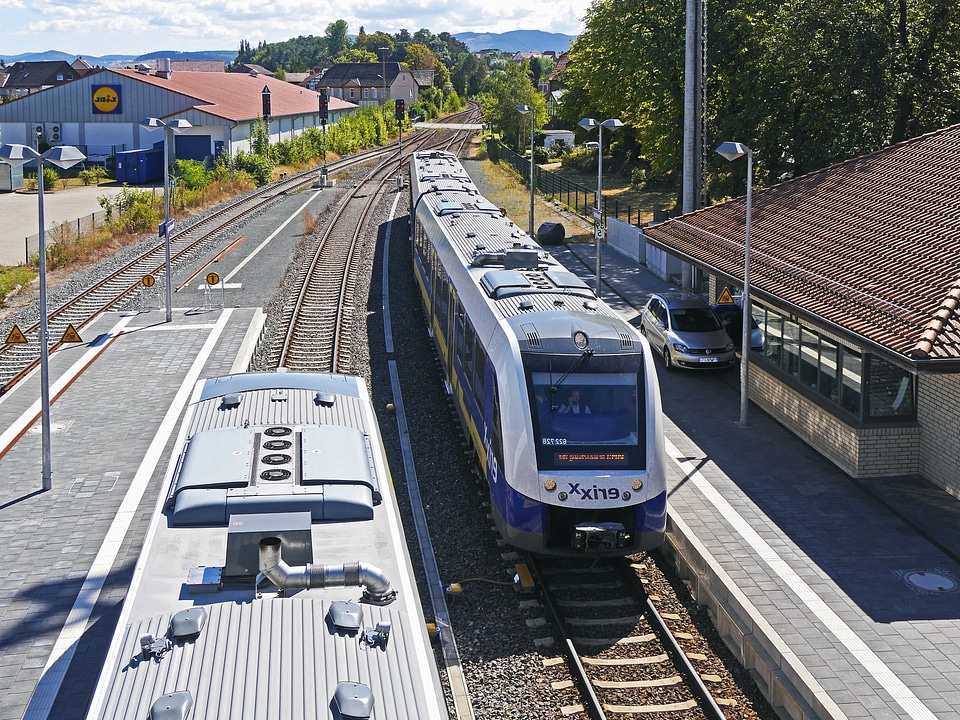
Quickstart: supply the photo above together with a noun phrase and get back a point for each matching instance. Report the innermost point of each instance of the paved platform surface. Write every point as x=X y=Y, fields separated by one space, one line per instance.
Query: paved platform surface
x=841 y=596
x=68 y=553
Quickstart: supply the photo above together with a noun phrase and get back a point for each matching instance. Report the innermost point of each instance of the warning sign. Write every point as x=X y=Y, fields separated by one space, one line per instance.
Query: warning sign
x=213 y=279
x=70 y=335
x=16 y=335
x=726 y=298
x=148 y=280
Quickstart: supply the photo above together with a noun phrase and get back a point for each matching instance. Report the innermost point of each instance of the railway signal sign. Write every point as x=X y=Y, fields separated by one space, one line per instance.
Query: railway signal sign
x=148 y=280
x=324 y=107
x=213 y=279
x=399 y=109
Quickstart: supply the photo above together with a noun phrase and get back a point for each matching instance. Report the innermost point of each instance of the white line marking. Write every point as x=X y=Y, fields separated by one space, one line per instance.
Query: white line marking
x=76 y=623
x=887 y=679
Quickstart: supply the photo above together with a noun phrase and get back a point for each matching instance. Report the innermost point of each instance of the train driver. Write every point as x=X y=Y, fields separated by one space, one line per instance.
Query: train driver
x=574 y=405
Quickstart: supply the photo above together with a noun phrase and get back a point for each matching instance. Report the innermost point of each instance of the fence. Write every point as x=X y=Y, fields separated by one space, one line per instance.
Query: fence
x=579 y=198
x=61 y=233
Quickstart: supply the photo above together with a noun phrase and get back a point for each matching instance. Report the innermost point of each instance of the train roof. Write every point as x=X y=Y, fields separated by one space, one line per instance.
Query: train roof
x=297 y=457
x=525 y=285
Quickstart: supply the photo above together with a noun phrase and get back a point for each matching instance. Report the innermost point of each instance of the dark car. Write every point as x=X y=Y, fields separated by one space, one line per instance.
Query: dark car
x=686 y=331
x=731 y=315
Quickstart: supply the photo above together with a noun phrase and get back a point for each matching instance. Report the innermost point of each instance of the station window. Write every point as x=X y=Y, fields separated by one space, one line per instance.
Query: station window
x=868 y=386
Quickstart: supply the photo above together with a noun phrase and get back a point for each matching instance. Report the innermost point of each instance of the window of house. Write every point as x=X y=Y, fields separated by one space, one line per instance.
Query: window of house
x=851 y=380
x=411 y=92
x=366 y=93
x=891 y=393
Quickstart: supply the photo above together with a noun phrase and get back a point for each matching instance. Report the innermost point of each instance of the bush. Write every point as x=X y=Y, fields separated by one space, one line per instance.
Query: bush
x=192 y=174
x=92 y=176
x=50 y=178
x=260 y=168
x=638 y=176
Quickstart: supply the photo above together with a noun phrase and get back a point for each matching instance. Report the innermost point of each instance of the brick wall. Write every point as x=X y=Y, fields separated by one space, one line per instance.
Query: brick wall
x=938 y=413
x=861 y=452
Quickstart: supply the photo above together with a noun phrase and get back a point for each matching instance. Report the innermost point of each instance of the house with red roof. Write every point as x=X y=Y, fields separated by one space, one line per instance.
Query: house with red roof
x=101 y=112
x=855 y=282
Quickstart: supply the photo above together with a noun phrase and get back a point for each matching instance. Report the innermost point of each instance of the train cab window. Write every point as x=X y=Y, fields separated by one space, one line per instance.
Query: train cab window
x=587 y=409
x=479 y=375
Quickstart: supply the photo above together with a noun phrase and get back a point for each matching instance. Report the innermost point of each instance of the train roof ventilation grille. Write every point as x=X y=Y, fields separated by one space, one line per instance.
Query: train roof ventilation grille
x=172 y=706
x=231 y=400
x=626 y=342
x=346 y=616
x=533 y=337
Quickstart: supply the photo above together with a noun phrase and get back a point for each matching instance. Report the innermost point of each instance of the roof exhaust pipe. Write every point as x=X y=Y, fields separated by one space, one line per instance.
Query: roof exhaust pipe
x=376 y=586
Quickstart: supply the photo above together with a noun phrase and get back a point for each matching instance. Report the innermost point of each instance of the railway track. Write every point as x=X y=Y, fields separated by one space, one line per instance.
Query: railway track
x=318 y=328
x=18 y=359
x=624 y=657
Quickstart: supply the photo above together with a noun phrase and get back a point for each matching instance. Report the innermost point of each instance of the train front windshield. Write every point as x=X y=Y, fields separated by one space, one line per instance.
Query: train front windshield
x=588 y=421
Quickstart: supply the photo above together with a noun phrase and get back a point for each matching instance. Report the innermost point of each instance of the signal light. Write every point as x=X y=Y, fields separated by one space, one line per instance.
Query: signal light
x=324 y=105
x=399 y=109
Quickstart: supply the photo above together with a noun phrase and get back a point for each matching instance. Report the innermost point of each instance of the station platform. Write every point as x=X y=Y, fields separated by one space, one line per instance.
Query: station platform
x=841 y=596
x=68 y=552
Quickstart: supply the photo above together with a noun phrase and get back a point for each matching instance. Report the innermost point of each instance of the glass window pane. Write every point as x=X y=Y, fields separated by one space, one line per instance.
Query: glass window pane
x=772 y=326
x=891 y=390
x=809 y=358
x=852 y=381
x=829 y=365
x=791 y=348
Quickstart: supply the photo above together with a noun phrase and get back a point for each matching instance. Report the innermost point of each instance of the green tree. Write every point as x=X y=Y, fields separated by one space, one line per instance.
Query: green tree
x=501 y=93
x=628 y=64
x=336 y=37
x=355 y=55
x=467 y=73
x=419 y=57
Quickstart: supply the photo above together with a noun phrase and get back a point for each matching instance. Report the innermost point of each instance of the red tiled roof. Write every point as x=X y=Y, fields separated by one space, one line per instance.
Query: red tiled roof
x=237 y=96
x=871 y=245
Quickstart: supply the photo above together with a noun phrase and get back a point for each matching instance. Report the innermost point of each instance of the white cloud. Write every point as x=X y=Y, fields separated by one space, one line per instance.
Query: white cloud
x=104 y=27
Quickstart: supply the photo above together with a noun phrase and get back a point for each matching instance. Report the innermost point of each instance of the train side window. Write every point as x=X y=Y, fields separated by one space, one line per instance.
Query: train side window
x=469 y=338
x=496 y=429
x=479 y=375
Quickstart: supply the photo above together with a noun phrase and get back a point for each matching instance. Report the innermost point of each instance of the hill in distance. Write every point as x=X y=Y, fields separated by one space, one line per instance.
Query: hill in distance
x=508 y=42
x=516 y=41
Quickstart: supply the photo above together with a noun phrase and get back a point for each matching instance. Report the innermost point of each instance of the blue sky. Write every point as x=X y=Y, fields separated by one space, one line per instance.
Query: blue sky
x=134 y=27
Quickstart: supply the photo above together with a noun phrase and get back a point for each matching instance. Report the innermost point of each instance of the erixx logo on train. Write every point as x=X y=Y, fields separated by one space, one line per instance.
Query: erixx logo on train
x=106 y=99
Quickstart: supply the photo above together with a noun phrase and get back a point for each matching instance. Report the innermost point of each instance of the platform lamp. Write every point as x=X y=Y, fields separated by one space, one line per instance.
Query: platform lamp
x=523 y=110
x=62 y=156
x=383 y=100
x=732 y=151
x=170 y=127
x=589 y=124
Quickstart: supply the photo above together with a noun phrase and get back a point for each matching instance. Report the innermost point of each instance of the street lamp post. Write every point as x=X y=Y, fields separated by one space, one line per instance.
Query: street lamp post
x=383 y=99
x=732 y=151
x=63 y=156
x=169 y=128
x=589 y=124
x=523 y=110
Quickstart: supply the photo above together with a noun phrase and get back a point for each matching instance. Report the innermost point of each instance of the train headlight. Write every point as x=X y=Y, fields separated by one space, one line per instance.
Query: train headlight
x=637 y=485
x=550 y=486
x=581 y=340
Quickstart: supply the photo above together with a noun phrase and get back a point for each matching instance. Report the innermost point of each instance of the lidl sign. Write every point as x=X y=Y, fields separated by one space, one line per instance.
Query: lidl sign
x=106 y=99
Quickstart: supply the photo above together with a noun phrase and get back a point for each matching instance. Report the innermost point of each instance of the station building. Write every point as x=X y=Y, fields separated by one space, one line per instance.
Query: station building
x=855 y=281
x=100 y=113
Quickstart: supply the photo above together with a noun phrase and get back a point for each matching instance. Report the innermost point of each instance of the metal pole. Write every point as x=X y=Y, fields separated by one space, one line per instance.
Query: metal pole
x=599 y=223
x=532 y=116
x=747 y=313
x=167 y=134
x=44 y=360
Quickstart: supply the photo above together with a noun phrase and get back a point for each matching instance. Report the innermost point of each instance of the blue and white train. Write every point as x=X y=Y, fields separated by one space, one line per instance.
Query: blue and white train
x=520 y=338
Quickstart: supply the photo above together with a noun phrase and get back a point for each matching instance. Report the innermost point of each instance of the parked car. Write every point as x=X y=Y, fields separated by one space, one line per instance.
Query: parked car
x=731 y=315
x=592 y=145
x=687 y=332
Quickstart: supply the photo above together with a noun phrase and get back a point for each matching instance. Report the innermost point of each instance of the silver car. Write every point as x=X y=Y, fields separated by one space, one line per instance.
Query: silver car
x=687 y=332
